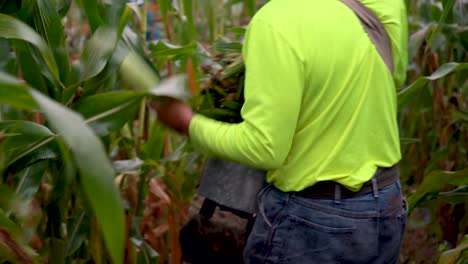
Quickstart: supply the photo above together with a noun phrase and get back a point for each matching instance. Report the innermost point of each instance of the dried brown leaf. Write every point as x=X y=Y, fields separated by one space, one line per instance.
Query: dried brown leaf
x=156 y=187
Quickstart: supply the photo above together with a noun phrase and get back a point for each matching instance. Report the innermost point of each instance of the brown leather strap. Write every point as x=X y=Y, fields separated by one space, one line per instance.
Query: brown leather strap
x=327 y=189
x=374 y=29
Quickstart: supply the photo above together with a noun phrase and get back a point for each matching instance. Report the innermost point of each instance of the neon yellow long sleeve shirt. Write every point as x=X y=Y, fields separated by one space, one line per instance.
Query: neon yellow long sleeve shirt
x=320 y=103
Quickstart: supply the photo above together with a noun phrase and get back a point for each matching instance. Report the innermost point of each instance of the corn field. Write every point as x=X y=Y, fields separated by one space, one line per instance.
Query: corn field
x=89 y=175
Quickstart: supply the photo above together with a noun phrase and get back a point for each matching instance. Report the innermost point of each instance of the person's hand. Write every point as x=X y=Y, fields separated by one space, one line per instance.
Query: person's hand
x=175 y=114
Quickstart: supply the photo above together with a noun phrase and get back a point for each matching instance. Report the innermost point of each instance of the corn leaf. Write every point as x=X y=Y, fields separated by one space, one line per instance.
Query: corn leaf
x=63 y=6
x=12 y=28
x=97 y=52
x=95 y=170
x=459 y=195
x=162 y=50
x=9 y=7
x=8 y=63
x=113 y=11
x=135 y=70
x=434 y=183
x=91 y=8
x=410 y=92
x=448 y=8
x=31 y=70
x=29 y=180
x=188 y=8
x=153 y=148
x=235 y=47
x=7 y=223
x=49 y=24
x=78 y=234
x=15 y=93
x=451 y=256
x=25 y=138
x=109 y=112
x=251 y=6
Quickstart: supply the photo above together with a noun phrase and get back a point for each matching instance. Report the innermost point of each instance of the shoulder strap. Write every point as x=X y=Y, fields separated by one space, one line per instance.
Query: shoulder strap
x=374 y=29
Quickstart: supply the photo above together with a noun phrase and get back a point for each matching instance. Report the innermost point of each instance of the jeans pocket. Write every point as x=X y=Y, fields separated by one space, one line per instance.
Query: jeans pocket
x=295 y=220
x=305 y=241
x=299 y=241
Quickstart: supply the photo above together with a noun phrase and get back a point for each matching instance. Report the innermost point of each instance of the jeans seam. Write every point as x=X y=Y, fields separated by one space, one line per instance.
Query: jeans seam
x=271 y=232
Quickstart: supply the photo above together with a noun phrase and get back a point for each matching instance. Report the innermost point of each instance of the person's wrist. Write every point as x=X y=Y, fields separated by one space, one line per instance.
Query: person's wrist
x=187 y=119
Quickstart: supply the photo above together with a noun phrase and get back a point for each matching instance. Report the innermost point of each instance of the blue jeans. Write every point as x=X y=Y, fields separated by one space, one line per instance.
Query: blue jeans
x=293 y=229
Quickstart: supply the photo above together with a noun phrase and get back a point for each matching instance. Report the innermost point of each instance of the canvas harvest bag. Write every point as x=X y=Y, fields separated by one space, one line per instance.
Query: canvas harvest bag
x=232 y=187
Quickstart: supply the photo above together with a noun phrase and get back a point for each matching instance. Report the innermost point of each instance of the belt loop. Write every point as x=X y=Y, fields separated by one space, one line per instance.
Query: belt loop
x=375 y=188
x=337 y=194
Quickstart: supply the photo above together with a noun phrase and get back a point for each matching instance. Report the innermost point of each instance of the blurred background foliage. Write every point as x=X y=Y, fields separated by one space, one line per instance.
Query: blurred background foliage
x=87 y=174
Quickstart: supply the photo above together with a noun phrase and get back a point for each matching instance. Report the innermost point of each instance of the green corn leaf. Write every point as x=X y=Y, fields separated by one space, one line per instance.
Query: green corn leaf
x=31 y=70
x=10 y=7
x=12 y=28
x=45 y=149
x=188 y=8
x=236 y=106
x=109 y=112
x=114 y=10
x=153 y=148
x=9 y=62
x=228 y=47
x=31 y=149
x=97 y=52
x=147 y=254
x=459 y=195
x=63 y=6
x=451 y=256
x=7 y=223
x=15 y=93
x=95 y=170
x=448 y=8
x=463 y=116
x=28 y=129
x=434 y=183
x=26 y=137
x=165 y=6
x=162 y=50
x=411 y=91
x=91 y=11
x=77 y=234
x=29 y=180
x=135 y=70
x=251 y=6
x=126 y=15
x=49 y=24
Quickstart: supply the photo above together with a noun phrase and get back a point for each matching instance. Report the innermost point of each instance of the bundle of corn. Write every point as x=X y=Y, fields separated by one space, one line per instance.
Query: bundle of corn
x=221 y=95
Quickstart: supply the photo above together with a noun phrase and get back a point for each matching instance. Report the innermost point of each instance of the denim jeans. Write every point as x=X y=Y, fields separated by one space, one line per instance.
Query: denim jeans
x=293 y=229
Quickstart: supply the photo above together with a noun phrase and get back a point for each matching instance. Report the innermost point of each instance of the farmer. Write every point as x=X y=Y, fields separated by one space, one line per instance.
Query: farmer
x=320 y=117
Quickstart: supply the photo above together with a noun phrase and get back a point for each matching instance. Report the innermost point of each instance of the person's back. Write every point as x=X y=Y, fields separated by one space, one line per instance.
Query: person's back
x=320 y=117
x=346 y=124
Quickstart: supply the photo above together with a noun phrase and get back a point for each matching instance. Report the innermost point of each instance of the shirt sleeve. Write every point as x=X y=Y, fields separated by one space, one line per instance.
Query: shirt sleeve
x=400 y=54
x=274 y=84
